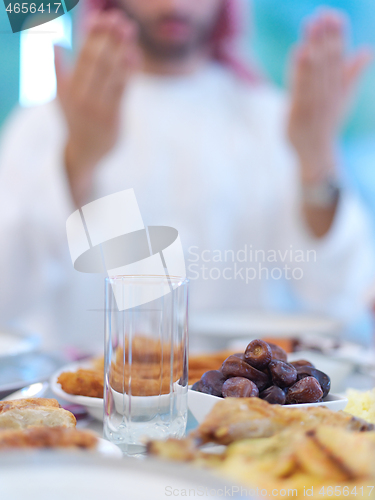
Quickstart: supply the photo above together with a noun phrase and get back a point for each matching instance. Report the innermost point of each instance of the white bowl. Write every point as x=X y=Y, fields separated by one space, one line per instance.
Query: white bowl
x=201 y=404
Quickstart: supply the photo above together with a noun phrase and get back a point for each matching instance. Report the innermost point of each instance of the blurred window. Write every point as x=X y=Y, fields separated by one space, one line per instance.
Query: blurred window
x=37 y=72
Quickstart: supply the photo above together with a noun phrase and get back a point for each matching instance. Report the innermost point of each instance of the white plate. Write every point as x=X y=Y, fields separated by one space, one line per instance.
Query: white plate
x=234 y=324
x=63 y=476
x=30 y=391
x=15 y=342
x=108 y=449
x=19 y=371
x=201 y=404
x=94 y=406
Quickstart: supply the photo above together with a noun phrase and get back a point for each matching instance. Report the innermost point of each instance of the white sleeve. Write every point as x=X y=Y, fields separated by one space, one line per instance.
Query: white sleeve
x=332 y=274
x=35 y=202
x=338 y=268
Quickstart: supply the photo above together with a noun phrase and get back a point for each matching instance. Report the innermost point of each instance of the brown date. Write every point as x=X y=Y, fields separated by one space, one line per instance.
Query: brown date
x=239 y=387
x=212 y=382
x=306 y=390
x=240 y=355
x=258 y=354
x=197 y=386
x=235 y=367
x=322 y=378
x=278 y=352
x=301 y=362
x=283 y=374
x=273 y=395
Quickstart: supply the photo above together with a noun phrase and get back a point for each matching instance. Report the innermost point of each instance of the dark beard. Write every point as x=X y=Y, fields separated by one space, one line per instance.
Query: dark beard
x=167 y=51
x=173 y=51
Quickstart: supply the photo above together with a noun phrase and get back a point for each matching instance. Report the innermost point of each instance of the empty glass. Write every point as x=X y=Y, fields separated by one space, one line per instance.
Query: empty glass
x=146 y=360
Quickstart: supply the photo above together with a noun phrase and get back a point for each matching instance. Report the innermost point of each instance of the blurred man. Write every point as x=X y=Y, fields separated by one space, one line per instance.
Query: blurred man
x=158 y=102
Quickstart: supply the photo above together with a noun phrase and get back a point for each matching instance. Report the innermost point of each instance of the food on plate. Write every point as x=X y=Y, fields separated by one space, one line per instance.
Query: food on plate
x=40 y=423
x=23 y=413
x=84 y=382
x=361 y=404
x=278 y=352
x=278 y=381
x=149 y=362
x=146 y=371
x=286 y=344
x=212 y=382
x=239 y=387
x=306 y=390
x=292 y=459
x=47 y=437
x=301 y=363
x=311 y=460
x=258 y=354
x=274 y=395
x=309 y=371
x=89 y=381
x=240 y=418
x=236 y=367
x=283 y=374
x=296 y=451
x=201 y=363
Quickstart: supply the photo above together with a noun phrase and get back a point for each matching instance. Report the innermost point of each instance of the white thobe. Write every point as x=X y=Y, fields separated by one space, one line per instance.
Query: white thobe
x=206 y=154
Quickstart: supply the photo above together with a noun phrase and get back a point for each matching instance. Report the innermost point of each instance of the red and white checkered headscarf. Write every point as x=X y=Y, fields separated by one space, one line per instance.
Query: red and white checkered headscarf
x=228 y=31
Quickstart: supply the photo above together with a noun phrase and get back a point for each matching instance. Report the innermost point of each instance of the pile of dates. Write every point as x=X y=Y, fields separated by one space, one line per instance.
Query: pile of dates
x=263 y=371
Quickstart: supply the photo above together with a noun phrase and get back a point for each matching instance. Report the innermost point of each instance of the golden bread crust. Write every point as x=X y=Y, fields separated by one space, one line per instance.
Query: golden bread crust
x=34 y=412
x=47 y=437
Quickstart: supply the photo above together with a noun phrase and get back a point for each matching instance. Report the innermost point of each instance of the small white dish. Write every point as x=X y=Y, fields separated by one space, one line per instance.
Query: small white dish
x=93 y=406
x=201 y=404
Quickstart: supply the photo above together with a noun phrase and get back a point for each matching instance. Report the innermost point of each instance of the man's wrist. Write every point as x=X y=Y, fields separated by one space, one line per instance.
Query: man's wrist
x=323 y=194
x=75 y=160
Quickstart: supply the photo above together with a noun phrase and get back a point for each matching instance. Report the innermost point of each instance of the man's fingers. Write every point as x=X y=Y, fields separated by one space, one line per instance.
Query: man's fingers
x=99 y=25
x=96 y=59
x=96 y=63
x=60 y=70
x=126 y=59
x=326 y=43
x=301 y=73
x=333 y=57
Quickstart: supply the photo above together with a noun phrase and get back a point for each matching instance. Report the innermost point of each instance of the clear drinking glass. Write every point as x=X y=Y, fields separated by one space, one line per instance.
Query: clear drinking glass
x=146 y=360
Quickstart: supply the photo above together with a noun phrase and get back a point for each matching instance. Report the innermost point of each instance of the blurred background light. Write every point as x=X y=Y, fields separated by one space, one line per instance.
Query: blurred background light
x=37 y=71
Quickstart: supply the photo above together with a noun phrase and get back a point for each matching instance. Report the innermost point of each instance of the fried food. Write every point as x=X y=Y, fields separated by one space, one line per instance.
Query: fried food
x=90 y=383
x=199 y=364
x=233 y=419
x=147 y=369
x=83 y=382
x=293 y=449
x=23 y=413
x=47 y=437
x=303 y=459
x=361 y=404
x=181 y=450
